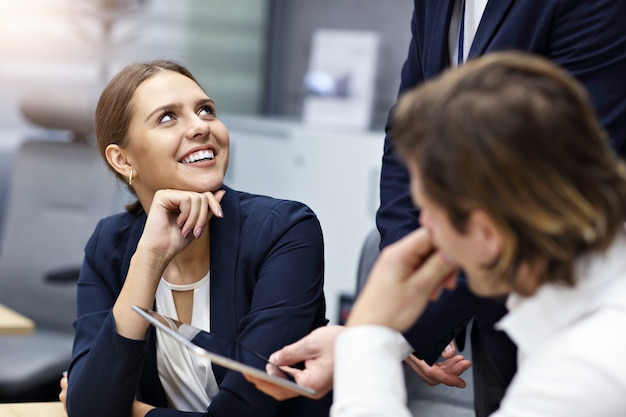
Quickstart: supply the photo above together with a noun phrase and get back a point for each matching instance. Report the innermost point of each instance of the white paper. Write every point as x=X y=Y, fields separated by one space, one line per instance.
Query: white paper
x=341 y=78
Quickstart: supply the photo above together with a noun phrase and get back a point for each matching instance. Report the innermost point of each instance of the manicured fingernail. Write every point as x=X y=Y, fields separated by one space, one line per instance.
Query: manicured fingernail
x=198 y=232
x=449 y=350
x=220 y=214
x=186 y=233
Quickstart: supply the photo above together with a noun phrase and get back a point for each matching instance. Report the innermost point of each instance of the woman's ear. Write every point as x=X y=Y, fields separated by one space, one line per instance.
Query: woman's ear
x=486 y=235
x=117 y=158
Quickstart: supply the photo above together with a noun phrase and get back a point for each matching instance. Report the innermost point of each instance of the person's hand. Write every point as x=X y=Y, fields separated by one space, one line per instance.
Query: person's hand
x=177 y=217
x=445 y=372
x=316 y=351
x=140 y=409
x=404 y=278
x=63 y=393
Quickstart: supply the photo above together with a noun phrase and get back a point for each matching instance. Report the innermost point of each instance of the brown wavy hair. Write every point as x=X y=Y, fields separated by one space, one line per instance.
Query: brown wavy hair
x=516 y=136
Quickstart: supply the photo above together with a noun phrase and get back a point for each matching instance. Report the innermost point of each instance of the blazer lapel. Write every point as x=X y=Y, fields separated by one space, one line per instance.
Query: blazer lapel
x=224 y=252
x=436 y=31
x=492 y=18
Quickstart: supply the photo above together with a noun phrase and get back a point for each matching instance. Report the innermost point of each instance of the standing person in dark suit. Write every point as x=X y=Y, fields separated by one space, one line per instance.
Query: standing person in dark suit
x=588 y=39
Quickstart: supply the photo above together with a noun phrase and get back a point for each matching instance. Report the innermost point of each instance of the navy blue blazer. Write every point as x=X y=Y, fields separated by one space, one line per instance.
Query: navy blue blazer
x=587 y=38
x=267 y=270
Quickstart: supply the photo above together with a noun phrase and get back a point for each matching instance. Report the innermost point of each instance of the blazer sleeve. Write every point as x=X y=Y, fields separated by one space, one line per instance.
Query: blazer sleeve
x=105 y=369
x=285 y=256
x=588 y=40
x=396 y=215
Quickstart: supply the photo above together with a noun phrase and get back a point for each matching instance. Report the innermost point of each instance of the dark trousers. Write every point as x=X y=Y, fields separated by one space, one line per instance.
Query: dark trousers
x=489 y=386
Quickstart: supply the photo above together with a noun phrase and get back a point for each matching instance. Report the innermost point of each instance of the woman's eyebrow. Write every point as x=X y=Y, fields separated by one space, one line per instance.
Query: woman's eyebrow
x=160 y=109
x=206 y=100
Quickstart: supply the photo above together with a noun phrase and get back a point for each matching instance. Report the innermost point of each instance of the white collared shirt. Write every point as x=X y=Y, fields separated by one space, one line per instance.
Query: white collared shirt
x=571 y=342
x=474 y=10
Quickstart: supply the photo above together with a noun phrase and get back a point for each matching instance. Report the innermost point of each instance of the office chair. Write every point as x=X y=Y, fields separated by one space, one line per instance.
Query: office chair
x=369 y=252
x=58 y=191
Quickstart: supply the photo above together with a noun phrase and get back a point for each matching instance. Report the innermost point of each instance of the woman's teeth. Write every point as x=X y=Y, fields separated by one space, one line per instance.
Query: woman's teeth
x=198 y=156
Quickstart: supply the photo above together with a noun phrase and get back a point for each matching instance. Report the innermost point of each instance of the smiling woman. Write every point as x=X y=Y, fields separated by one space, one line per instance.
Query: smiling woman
x=241 y=266
x=167 y=107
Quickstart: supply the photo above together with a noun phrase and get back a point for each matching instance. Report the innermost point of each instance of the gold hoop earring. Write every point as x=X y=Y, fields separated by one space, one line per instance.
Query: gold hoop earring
x=130 y=178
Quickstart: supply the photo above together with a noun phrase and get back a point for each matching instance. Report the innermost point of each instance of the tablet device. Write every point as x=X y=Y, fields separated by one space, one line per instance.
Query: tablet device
x=215 y=349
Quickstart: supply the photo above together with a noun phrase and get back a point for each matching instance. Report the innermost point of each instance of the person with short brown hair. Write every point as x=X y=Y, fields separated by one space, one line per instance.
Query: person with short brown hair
x=516 y=185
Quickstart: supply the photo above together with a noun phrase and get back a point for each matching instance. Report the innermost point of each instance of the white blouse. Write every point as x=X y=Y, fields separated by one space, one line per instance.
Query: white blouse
x=187 y=379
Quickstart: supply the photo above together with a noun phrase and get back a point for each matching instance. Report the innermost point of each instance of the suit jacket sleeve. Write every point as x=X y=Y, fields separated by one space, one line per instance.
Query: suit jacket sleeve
x=105 y=365
x=397 y=215
x=285 y=302
x=588 y=40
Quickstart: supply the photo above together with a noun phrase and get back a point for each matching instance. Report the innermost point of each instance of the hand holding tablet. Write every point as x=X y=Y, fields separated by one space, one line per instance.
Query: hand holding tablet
x=199 y=342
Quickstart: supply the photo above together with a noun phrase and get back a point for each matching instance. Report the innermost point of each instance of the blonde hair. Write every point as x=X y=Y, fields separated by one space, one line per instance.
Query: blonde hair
x=515 y=136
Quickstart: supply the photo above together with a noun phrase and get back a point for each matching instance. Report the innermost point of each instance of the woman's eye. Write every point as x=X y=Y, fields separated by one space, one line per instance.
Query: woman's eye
x=206 y=111
x=166 y=117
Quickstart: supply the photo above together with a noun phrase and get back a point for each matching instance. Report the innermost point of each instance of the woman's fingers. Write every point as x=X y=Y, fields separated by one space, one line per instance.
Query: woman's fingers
x=214 y=202
x=194 y=214
x=175 y=218
x=190 y=206
x=196 y=209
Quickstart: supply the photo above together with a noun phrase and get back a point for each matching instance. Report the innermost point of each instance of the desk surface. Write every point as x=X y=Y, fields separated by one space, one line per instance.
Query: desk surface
x=12 y=322
x=48 y=409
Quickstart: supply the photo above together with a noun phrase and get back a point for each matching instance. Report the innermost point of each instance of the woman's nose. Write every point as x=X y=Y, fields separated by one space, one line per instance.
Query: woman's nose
x=198 y=128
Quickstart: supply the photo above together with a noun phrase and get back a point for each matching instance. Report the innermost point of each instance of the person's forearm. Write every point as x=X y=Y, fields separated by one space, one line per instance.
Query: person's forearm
x=369 y=379
x=139 y=289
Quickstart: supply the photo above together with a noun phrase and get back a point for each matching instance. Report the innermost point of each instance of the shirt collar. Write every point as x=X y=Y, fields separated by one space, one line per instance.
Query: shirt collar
x=600 y=282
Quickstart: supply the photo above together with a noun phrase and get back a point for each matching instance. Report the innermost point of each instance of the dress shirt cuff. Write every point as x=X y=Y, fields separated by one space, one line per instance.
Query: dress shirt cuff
x=369 y=378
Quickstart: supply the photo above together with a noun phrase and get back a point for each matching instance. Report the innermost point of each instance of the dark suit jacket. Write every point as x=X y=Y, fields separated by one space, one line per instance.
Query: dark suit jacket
x=587 y=38
x=266 y=291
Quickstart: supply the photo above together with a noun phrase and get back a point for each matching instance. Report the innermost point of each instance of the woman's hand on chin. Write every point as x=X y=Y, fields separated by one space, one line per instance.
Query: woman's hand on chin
x=176 y=218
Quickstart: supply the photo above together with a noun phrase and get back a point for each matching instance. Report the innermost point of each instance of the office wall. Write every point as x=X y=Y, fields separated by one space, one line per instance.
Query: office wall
x=251 y=55
x=293 y=23
x=57 y=45
x=76 y=45
x=58 y=55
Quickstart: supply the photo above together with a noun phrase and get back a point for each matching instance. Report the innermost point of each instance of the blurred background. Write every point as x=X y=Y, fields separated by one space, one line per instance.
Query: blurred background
x=251 y=56
x=303 y=86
